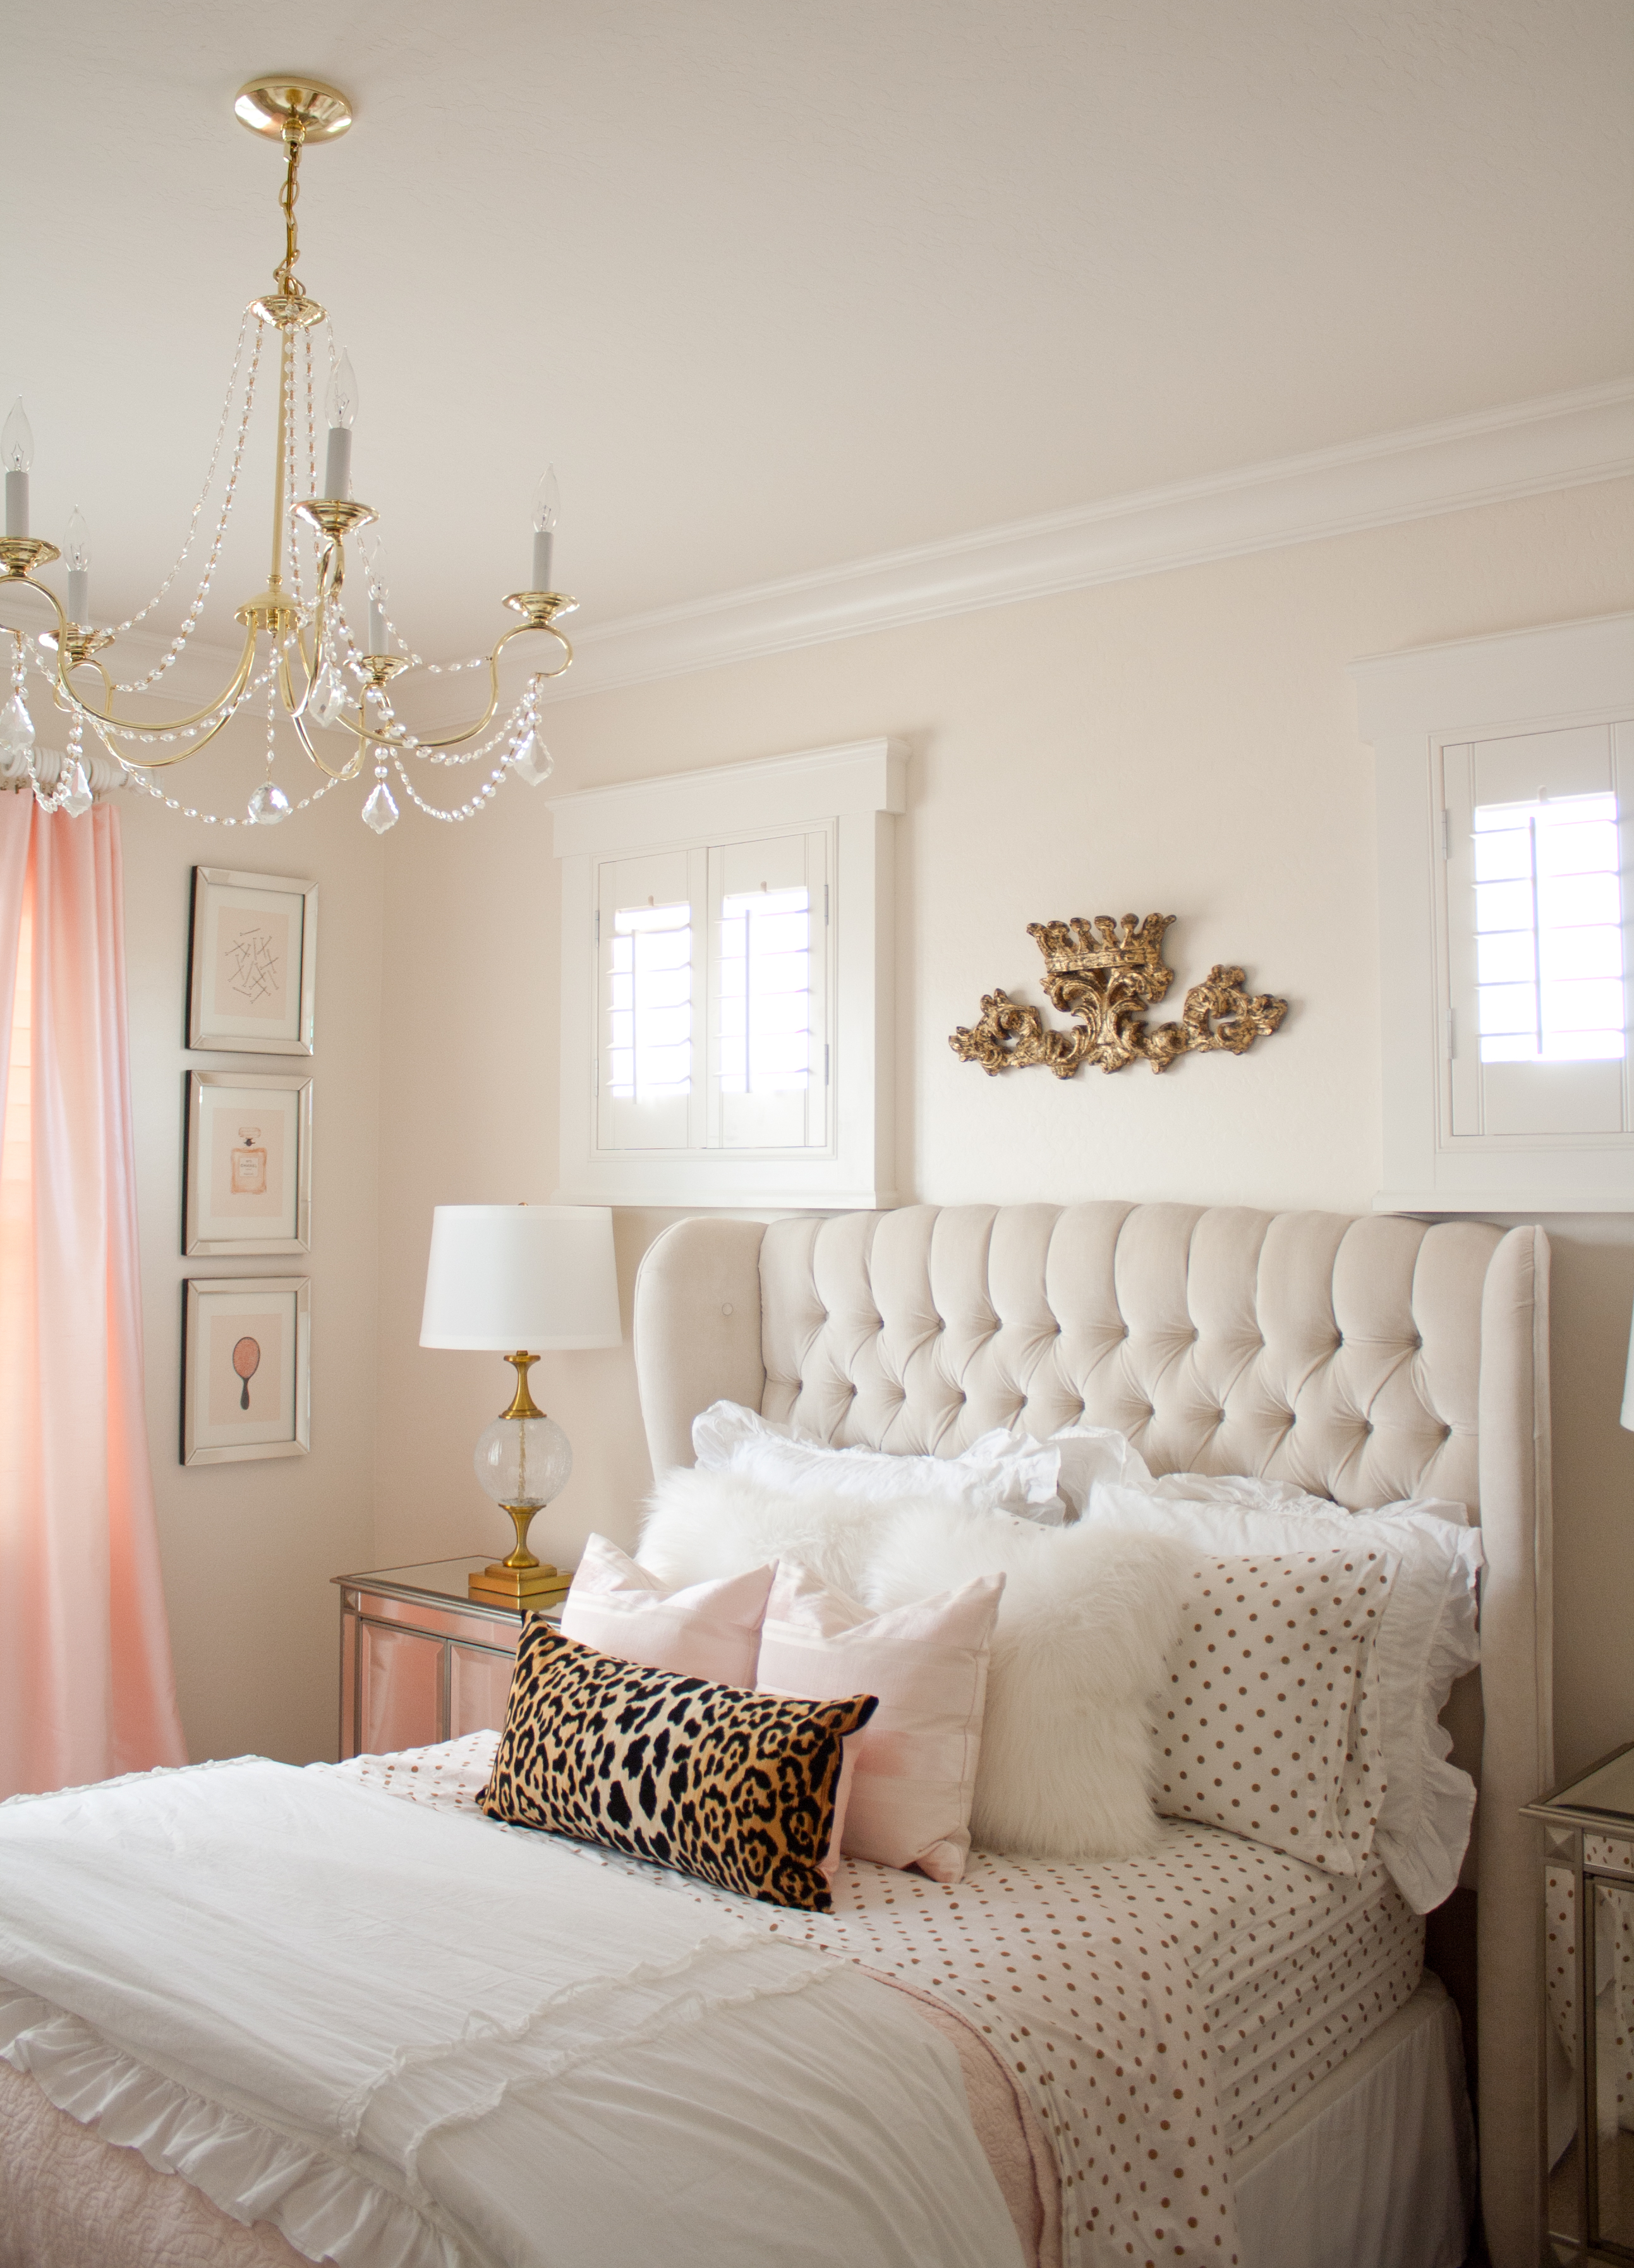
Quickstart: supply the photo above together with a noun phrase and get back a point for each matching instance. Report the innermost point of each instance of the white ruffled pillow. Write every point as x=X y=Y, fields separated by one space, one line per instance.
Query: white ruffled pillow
x=1427 y=1637
x=1000 y=1472
x=1091 y=1453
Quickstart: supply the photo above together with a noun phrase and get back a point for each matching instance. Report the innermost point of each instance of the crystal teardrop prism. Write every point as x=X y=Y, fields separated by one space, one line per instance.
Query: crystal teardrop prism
x=327 y=706
x=16 y=728
x=75 y=796
x=381 y=811
x=534 y=762
x=269 y=805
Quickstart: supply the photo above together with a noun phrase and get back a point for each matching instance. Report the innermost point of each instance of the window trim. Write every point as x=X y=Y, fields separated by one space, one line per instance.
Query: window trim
x=858 y=790
x=1413 y=707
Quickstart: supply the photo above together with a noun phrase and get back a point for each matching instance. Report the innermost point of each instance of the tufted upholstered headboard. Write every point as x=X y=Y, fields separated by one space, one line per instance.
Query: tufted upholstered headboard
x=1366 y=1358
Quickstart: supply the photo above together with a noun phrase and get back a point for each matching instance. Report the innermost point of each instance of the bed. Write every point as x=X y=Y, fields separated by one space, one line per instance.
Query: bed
x=1367 y=1359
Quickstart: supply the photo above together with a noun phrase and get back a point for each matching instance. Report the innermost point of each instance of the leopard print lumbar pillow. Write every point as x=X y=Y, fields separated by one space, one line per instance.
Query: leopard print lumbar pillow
x=743 y=1790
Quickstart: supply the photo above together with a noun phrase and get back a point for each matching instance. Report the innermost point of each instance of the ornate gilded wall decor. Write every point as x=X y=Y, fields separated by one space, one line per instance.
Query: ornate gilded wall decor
x=1108 y=972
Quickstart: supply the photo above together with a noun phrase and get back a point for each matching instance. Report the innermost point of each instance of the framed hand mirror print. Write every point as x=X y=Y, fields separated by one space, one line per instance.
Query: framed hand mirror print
x=245 y=1368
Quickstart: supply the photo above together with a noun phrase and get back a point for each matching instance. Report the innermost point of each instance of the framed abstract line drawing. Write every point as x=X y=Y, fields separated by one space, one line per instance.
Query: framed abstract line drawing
x=249 y=1162
x=245 y=1368
x=253 y=980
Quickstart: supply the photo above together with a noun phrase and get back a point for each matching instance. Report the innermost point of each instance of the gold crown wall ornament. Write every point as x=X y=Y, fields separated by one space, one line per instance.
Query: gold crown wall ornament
x=1107 y=971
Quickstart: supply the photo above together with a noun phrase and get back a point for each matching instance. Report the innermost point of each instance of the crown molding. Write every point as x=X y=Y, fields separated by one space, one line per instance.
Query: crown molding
x=1564 y=440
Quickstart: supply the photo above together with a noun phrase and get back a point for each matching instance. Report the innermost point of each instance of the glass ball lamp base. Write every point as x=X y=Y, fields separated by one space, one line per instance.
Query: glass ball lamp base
x=522 y=1460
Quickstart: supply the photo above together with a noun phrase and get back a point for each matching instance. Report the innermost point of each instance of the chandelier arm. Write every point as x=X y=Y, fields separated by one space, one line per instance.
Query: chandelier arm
x=225 y=703
x=294 y=709
x=90 y=662
x=458 y=739
x=353 y=764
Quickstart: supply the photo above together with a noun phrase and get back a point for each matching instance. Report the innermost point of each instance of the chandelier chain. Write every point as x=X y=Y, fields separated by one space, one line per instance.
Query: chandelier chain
x=288 y=282
x=138 y=684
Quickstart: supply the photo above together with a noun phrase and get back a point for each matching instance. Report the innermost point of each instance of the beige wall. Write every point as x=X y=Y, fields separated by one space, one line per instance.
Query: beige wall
x=1186 y=743
x=248 y=1549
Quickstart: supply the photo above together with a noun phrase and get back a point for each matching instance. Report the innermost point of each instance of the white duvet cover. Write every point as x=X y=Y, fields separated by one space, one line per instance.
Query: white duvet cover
x=365 y=2023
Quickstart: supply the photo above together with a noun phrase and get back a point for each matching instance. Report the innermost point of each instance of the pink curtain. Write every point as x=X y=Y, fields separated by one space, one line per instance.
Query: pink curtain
x=86 y=1688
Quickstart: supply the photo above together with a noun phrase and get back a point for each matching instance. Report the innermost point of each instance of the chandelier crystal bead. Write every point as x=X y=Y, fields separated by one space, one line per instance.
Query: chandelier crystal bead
x=269 y=806
x=16 y=729
x=74 y=794
x=534 y=762
x=381 y=811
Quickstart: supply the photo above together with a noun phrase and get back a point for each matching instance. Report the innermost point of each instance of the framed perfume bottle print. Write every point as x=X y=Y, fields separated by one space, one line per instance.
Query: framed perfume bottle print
x=249 y=1163
x=246 y=1369
x=253 y=974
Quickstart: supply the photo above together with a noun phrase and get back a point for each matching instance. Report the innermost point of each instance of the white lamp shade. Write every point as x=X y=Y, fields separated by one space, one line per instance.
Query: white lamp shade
x=503 y=1278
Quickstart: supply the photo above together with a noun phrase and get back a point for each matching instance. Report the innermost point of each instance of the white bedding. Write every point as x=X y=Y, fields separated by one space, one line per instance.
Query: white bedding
x=392 y=2035
x=1185 y=2000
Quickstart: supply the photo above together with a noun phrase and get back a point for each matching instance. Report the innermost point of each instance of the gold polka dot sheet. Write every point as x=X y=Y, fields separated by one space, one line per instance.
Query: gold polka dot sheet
x=1160 y=2012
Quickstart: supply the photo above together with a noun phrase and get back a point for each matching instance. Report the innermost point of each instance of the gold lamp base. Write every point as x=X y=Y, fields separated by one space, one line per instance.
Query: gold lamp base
x=520 y=1580
x=524 y=1589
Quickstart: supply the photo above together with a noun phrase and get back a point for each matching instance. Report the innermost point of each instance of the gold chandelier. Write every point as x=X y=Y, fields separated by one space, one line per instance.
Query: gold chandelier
x=300 y=659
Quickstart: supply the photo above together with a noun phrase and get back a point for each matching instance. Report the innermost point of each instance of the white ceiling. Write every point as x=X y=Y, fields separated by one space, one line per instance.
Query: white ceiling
x=777 y=287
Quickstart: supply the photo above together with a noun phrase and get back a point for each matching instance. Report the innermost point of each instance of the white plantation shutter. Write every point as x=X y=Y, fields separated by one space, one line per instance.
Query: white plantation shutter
x=728 y=986
x=649 y=941
x=768 y=902
x=713 y=991
x=1538 y=828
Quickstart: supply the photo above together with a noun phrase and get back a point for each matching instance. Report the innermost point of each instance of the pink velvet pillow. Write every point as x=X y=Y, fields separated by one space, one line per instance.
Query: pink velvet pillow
x=710 y=1630
x=915 y=1770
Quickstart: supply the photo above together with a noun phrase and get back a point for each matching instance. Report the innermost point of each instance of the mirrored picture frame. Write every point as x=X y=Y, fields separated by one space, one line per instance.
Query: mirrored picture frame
x=245 y=1368
x=252 y=986
x=249 y=1179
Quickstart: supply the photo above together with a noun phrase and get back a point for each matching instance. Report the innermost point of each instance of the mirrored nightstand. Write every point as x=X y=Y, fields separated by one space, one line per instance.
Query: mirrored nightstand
x=421 y=1660
x=1588 y=1857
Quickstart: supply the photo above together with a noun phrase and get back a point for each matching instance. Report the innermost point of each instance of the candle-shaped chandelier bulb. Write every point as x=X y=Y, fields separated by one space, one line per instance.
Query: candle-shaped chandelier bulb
x=16 y=453
x=340 y=406
x=77 y=558
x=546 y=510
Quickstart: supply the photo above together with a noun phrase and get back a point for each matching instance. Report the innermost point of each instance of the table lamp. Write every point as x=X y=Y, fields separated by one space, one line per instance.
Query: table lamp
x=521 y=1281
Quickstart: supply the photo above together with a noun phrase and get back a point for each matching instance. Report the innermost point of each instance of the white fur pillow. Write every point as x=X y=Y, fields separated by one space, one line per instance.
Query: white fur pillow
x=1081 y=1650
x=703 y=1526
